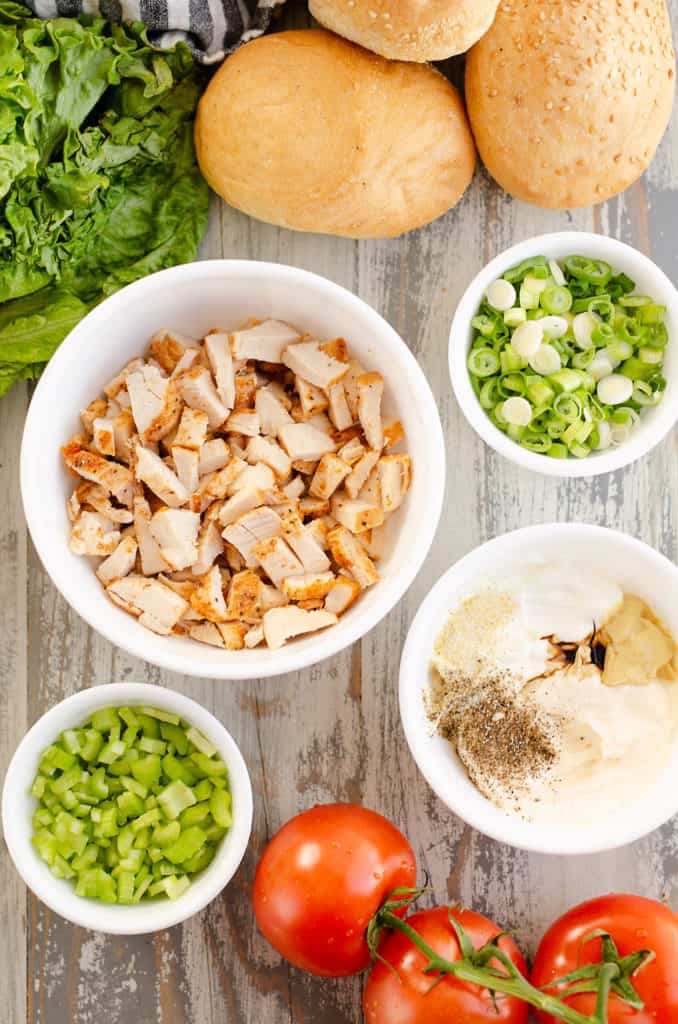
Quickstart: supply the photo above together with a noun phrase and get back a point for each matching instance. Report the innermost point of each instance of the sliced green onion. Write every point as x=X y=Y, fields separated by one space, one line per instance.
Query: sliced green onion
x=556 y=300
x=483 y=362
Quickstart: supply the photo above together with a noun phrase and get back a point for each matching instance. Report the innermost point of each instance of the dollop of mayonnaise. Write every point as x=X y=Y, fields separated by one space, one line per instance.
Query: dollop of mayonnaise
x=562 y=601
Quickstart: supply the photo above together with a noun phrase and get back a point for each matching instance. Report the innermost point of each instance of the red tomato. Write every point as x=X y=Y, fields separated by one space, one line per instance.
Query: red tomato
x=634 y=923
x=406 y=996
x=320 y=881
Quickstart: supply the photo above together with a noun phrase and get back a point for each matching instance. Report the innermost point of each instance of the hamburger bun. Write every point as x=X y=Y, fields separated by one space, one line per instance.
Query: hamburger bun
x=569 y=99
x=417 y=30
x=308 y=131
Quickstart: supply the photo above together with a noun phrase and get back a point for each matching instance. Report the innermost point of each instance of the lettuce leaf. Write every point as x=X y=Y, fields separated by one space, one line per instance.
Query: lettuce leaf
x=99 y=183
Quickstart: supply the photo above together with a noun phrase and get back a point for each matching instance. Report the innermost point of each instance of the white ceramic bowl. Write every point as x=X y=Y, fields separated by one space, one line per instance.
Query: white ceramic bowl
x=192 y=299
x=59 y=894
x=638 y=569
x=655 y=423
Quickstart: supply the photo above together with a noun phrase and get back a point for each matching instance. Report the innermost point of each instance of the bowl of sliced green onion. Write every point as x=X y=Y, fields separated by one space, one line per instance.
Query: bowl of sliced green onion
x=127 y=808
x=562 y=354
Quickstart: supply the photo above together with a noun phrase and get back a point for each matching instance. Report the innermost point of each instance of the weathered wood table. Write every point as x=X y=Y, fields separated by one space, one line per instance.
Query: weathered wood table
x=332 y=732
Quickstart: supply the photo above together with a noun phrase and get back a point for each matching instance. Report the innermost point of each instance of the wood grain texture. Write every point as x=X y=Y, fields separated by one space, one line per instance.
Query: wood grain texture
x=333 y=731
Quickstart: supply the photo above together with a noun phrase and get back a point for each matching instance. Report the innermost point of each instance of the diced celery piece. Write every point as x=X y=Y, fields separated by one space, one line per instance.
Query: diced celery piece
x=208 y=766
x=145 y=820
x=161 y=716
x=220 y=808
x=180 y=768
x=200 y=742
x=195 y=815
x=142 y=888
x=175 y=798
x=134 y=786
x=152 y=746
x=91 y=745
x=112 y=751
x=176 y=887
x=129 y=717
x=200 y=861
x=203 y=790
x=125 y=887
x=147 y=770
x=105 y=719
x=166 y=834
x=175 y=735
x=149 y=726
x=187 y=845
x=70 y=739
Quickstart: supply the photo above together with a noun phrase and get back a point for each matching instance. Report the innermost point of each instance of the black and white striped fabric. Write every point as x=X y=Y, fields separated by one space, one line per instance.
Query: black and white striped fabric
x=212 y=28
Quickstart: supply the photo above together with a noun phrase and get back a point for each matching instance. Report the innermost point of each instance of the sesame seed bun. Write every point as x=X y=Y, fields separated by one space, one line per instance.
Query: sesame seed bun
x=569 y=99
x=416 y=30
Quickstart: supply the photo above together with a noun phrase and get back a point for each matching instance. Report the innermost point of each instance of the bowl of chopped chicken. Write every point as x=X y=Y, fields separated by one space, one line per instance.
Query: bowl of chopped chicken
x=233 y=469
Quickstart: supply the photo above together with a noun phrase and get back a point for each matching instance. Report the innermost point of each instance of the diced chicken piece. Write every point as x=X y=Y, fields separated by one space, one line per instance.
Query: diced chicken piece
x=374 y=542
x=357 y=516
x=208 y=598
x=215 y=486
x=119 y=383
x=312 y=507
x=152 y=561
x=311 y=605
x=156 y=405
x=157 y=607
x=214 y=455
x=112 y=409
x=262 y=522
x=187 y=466
x=120 y=563
x=236 y=562
x=123 y=432
x=167 y=348
x=342 y=595
x=233 y=635
x=395 y=478
x=339 y=411
x=94 y=411
x=337 y=349
x=242 y=501
x=307 y=468
x=93 y=534
x=319 y=421
x=197 y=389
x=370 y=392
x=271 y=597
x=245 y=391
x=281 y=624
x=349 y=554
x=394 y=433
x=328 y=476
x=244 y=597
x=159 y=478
x=189 y=359
x=238 y=446
x=350 y=382
x=265 y=450
x=272 y=413
x=254 y=637
x=73 y=506
x=184 y=588
x=304 y=544
x=371 y=491
x=210 y=547
x=360 y=473
x=266 y=342
x=192 y=429
x=244 y=421
x=206 y=633
x=115 y=479
x=294 y=489
x=218 y=350
x=310 y=587
x=352 y=451
x=244 y=543
x=258 y=478
x=311 y=398
x=307 y=360
x=277 y=559
x=304 y=442
x=319 y=528
x=97 y=498
x=176 y=533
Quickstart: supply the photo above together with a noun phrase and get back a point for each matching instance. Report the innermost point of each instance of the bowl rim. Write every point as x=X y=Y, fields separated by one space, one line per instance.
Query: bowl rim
x=516 y=833
x=555 y=243
x=329 y=642
x=58 y=894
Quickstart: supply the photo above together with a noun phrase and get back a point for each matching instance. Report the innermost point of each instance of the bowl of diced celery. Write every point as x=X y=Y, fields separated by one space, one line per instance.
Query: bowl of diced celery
x=562 y=354
x=127 y=808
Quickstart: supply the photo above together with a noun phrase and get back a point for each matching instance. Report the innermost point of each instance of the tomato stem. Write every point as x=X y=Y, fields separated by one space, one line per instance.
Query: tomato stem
x=475 y=967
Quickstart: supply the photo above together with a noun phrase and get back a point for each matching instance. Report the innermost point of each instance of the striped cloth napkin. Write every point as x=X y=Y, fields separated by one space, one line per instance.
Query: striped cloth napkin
x=212 y=28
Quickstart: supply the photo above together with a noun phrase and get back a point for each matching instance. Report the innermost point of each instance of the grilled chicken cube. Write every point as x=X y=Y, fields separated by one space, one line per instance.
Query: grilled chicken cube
x=93 y=534
x=208 y=597
x=120 y=563
x=123 y=432
x=305 y=443
x=311 y=507
x=371 y=490
x=206 y=633
x=157 y=607
x=217 y=485
x=394 y=433
x=192 y=430
x=311 y=398
x=244 y=421
x=267 y=451
x=307 y=360
x=277 y=559
x=262 y=522
x=339 y=411
x=176 y=533
x=352 y=451
x=244 y=543
x=241 y=502
x=167 y=348
x=244 y=597
x=94 y=411
x=374 y=541
x=331 y=472
x=115 y=387
x=187 y=466
x=159 y=478
x=309 y=587
x=281 y=624
x=350 y=382
x=336 y=348
x=395 y=478
x=115 y=479
x=349 y=554
x=304 y=544
x=294 y=488
x=95 y=497
x=260 y=478
x=218 y=349
x=266 y=342
x=197 y=389
x=357 y=516
x=214 y=455
x=370 y=392
x=152 y=561
x=156 y=405
x=272 y=412
x=189 y=359
x=210 y=547
x=360 y=473
x=233 y=634
x=254 y=636
x=341 y=595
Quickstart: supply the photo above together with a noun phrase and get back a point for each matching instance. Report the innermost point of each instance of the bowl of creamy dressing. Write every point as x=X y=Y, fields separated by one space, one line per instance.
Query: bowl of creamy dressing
x=539 y=688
